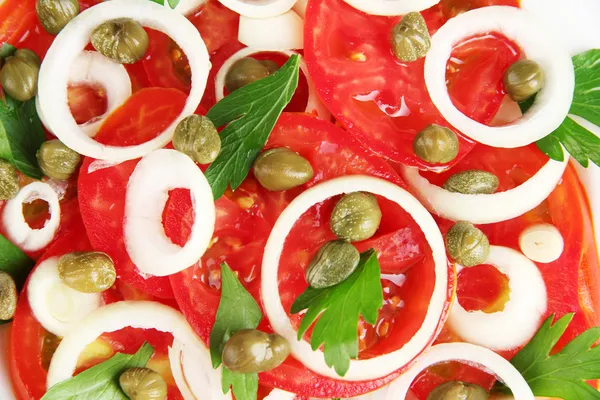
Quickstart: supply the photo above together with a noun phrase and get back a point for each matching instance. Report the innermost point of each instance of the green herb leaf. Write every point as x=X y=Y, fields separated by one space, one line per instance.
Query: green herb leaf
x=339 y=308
x=7 y=50
x=563 y=374
x=244 y=386
x=21 y=135
x=173 y=3
x=14 y=262
x=586 y=98
x=250 y=114
x=102 y=380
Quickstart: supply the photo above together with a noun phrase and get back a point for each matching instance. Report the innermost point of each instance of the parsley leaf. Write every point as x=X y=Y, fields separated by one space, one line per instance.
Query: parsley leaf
x=172 y=3
x=14 y=262
x=563 y=374
x=339 y=308
x=250 y=114
x=245 y=386
x=102 y=380
x=7 y=50
x=586 y=98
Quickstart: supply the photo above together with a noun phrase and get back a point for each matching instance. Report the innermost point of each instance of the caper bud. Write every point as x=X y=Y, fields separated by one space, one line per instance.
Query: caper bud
x=436 y=145
x=523 y=79
x=456 y=390
x=467 y=245
x=143 y=384
x=9 y=180
x=251 y=350
x=248 y=70
x=197 y=137
x=281 y=169
x=410 y=38
x=87 y=272
x=335 y=261
x=19 y=74
x=355 y=217
x=123 y=40
x=8 y=296
x=472 y=182
x=56 y=14
x=56 y=160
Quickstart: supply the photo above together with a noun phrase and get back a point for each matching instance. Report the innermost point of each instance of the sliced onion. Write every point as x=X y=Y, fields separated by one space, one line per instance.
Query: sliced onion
x=278 y=394
x=259 y=8
x=313 y=105
x=386 y=363
x=17 y=229
x=97 y=165
x=520 y=319
x=147 y=193
x=114 y=317
x=67 y=46
x=56 y=306
x=283 y=32
x=300 y=7
x=552 y=102
x=391 y=7
x=92 y=68
x=473 y=355
x=185 y=7
x=487 y=208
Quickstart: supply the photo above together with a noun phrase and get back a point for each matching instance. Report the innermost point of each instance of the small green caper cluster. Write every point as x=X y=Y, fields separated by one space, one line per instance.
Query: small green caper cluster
x=410 y=38
x=143 y=384
x=280 y=169
x=9 y=180
x=122 y=40
x=197 y=137
x=8 y=296
x=436 y=145
x=56 y=160
x=523 y=79
x=472 y=182
x=457 y=390
x=251 y=351
x=87 y=272
x=248 y=70
x=333 y=263
x=54 y=15
x=467 y=245
x=19 y=74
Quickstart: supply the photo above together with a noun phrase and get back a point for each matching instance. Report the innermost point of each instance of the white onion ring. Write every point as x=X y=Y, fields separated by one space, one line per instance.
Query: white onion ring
x=259 y=8
x=471 y=354
x=552 y=102
x=314 y=360
x=300 y=8
x=314 y=104
x=147 y=193
x=520 y=319
x=17 y=229
x=66 y=47
x=283 y=32
x=391 y=7
x=487 y=208
x=185 y=7
x=91 y=67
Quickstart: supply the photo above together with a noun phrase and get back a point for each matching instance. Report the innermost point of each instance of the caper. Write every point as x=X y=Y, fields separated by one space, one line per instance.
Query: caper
x=8 y=296
x=248 y=70
x=410 y=38
x=436 y=145
x=123 y=40
x=19 y=74
x=56 y=160
x=355 y=217
x=456 y=390
x=87 y=272
x=467 y=245
x=9 y=180
x=335 y=261
x=523 y=79
x=282 y=169
x=56 y=14
x=251 y=350
x=197 y=137
x=472 y=182
x=143 y=384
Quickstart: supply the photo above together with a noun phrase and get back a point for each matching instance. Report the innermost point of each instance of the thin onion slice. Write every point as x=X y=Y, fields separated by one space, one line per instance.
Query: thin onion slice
x=520 y=319
x=300 y=7
x=259 y=8
x=386 y=363
x=17 y=229
x=391 y=7
x=66 y=47
x=185 y=7
x=471 y=354
x=147 y=193
x=313 y=105
x=487 y=208
x=91 y=67
x=283 y=32
x=552 y=103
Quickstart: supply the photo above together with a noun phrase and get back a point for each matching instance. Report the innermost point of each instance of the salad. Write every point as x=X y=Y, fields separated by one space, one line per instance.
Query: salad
x=294 y=199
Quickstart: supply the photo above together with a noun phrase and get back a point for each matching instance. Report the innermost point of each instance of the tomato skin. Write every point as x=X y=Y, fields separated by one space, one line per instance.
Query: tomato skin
x=216 y=23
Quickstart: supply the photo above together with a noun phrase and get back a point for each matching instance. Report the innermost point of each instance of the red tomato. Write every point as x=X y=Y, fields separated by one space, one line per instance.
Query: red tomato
x=86 y=102
x=165 y=64
x=216 y=23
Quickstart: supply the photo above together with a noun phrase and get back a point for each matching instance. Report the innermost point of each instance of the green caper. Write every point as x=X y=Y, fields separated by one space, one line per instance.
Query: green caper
x=8 y=296
x=281 y=169
x=197 y=137
x=456 y=390
x=523 y=79
x=472 y=182
x=87 y=272
x=19 y=74
x=9 y=180
x=56 y=160
x=467 y=245
x=54 y=15
x=123 y=40
x=436 y=145
x=355 y=217
x=143 y=384
x=251 y=350
x=248 y=70
x=335 y=261
x=410 y=38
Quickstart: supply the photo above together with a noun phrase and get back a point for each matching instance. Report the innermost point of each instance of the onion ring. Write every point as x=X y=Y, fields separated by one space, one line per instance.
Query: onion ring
x=391 y=7
x=283 y=32
x=259 y=8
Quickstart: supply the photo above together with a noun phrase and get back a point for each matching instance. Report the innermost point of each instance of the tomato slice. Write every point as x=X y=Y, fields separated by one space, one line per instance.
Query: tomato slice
x=216 y=23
